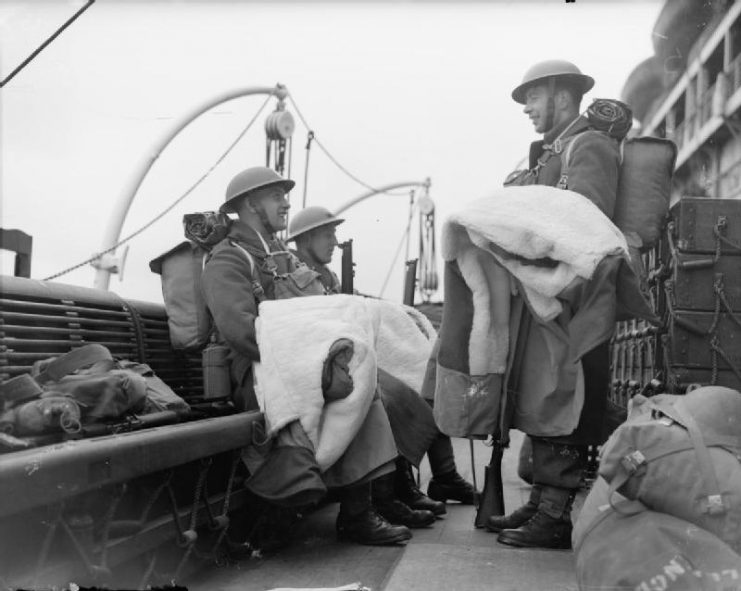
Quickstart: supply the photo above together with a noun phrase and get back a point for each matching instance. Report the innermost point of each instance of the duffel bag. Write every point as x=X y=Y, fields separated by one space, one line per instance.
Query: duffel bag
x=635 y=549
x=86 y=385
x=681 y=455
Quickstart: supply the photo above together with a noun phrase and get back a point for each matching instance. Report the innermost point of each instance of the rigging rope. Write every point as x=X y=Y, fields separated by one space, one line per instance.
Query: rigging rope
x=309 y=138
x=173 y=204
x=404 y=238
x=332 y=158
x=41 y=47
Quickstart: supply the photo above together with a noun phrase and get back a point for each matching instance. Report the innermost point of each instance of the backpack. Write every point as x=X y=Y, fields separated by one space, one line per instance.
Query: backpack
x=644 y=186
x=188 y=318
x=681 y=455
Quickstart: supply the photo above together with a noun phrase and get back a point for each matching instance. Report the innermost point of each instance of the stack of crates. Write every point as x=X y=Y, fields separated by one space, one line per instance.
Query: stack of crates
x=693 y=280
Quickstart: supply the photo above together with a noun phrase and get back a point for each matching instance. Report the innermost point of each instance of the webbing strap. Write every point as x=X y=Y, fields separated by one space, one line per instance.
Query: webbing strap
x=19 y=388
x=563 y=182
x=712 y=500
x=72 y=361
x=257 y=289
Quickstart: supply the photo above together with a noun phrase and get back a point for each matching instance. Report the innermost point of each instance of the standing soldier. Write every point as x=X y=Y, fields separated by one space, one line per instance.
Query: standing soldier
x=551 y=92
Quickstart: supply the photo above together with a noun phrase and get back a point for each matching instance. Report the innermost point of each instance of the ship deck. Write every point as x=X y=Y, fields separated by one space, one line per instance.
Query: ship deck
x=449 y=555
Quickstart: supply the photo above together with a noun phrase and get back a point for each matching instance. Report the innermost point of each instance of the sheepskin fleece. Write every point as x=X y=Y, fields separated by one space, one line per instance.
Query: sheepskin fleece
x=534 y=222
x=294 y=337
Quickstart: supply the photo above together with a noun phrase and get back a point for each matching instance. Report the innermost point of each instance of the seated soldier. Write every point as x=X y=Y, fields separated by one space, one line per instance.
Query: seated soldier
x=313 y=229
x=232 y=289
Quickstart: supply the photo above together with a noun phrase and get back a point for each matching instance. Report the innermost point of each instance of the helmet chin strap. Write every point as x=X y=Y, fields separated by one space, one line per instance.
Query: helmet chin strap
x=550 y=109
x=264 y=219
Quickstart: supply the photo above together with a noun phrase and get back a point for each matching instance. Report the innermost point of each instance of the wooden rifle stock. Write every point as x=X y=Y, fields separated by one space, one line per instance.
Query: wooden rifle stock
x=491 y=499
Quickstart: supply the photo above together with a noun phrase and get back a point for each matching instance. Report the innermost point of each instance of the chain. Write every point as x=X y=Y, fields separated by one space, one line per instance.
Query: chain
x=721 y=296
x=715 y=346
x=721 y=225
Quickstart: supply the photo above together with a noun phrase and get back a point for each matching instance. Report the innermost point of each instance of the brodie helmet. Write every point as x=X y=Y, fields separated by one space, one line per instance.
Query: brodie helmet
x=550 y=70
x=250 y=180
x=311 y=218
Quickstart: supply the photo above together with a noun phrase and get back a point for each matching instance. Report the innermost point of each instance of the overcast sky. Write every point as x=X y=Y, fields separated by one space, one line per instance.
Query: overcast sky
x=396 y=91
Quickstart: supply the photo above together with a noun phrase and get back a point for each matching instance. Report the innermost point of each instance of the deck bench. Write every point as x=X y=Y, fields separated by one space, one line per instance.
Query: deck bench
x=56 y=518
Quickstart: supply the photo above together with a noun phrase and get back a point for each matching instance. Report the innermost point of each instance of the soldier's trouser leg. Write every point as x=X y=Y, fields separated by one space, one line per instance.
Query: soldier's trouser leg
x=441 y=456
x=446 y=483
x=557 y=470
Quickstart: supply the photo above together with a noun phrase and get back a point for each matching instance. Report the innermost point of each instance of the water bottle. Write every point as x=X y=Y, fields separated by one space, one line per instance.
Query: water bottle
x=216 y=378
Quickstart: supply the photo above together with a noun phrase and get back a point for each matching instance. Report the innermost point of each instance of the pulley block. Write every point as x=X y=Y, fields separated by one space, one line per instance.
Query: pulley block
x=279 y=125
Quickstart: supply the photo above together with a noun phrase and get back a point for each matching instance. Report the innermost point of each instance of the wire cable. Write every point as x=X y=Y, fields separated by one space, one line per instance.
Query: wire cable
x=332 y=158
x=41 y=47
x=173 y=204
x=396 y=254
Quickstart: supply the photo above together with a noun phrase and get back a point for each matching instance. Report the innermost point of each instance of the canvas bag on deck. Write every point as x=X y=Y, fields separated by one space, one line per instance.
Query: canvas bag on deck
x=681 y=455
x=630 y=548
x=85 y=385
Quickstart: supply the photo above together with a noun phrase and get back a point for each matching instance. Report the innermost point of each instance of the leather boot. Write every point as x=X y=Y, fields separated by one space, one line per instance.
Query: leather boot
x=408 y=492
x=549 y=527
x=394 y=510
x=359 y=522
x=451 y=487
x=518 y=517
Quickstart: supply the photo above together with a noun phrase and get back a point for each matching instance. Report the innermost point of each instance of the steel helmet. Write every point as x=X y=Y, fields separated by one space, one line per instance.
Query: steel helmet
x=541 y=71
x=311 y=218
x=249 y=180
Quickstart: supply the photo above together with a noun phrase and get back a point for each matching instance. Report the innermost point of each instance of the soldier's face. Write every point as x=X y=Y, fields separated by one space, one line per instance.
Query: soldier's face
x=274 y=204
x=536 y=107
x=322 y=243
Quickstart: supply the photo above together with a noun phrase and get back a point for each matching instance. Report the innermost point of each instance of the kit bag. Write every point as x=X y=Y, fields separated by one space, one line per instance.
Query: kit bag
x=681 y=455
x=644 y=186
x=188 y=319
x=631 y=548
x=180 y=268
x=86 y=385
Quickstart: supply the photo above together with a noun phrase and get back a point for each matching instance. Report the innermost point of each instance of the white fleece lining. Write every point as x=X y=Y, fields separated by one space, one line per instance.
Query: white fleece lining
x=294 y=337
x=489 y=283
x=536 y=222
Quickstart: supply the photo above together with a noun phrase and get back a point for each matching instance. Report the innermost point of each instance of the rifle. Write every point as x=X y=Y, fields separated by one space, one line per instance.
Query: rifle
x=348 y=271
x=491 y=500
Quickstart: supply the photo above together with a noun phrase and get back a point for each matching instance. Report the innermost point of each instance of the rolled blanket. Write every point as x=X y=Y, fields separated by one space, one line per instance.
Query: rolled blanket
x=296 y=337
x=522 y=226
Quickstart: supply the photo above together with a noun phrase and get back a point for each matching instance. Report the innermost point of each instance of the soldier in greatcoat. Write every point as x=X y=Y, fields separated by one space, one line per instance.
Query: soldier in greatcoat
x=551 y=93
x=232 y=289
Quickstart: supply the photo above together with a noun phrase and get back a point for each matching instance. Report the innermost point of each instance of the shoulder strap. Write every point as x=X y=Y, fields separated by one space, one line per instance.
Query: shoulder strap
x=567 y=147
x=563 y=182
x=257 y=289
x=72 y=361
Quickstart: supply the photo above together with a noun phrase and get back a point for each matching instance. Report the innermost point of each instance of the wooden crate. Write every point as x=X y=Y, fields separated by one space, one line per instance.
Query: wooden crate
x=694 y=219
x=694 y=288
